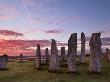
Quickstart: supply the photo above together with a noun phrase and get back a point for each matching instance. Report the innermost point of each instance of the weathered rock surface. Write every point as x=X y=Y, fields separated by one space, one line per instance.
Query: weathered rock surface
x=72 y=53
x=108 y=54
x=46 y=55
x=95 y=53
x=54 y=59
x=21 y=58
x=38 y=57
x=82 y=47
x=3 y=61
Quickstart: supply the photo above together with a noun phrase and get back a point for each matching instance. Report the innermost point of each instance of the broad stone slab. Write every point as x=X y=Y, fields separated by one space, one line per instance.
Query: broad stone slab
x=3 y=61
x=95 y=53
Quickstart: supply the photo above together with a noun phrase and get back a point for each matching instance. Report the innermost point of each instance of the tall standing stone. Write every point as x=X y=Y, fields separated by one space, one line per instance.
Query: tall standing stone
x=108 y=54
x=82 y=47
x=47 y=55
x=3 y=61
x=63 y=55
x=54 y=59
x=95 y=53
x=38 y=57
x=21 y=58
x=72 y=53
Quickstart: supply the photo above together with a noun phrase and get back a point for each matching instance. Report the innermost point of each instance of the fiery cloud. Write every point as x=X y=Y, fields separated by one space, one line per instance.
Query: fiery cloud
x=14 y=47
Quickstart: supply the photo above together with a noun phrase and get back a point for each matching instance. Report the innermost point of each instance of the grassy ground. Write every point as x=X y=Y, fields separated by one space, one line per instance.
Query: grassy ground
x=25 y=72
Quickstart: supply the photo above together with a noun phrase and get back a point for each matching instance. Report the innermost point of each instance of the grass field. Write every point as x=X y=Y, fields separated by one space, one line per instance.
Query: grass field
x=25 y=72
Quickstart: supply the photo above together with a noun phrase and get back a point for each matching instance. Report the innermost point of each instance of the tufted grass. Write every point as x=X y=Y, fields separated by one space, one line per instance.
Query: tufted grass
x=26 y=72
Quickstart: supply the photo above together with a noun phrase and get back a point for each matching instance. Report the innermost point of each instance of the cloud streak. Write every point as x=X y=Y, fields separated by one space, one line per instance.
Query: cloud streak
x=10 y=33
x=54 y=31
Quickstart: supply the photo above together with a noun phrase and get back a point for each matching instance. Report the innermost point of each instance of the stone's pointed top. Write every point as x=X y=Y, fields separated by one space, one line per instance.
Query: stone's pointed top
x=53 y=40
x=107 y=49
x=38 y=45
x=5 y=55
x=62 y=47
x=21 y=54
x=82 y=32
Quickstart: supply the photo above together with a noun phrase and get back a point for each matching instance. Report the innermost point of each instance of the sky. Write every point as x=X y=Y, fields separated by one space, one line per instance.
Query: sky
x=26 y=23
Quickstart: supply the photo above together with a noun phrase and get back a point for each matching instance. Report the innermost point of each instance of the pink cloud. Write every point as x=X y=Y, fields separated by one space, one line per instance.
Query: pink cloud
x=14 y=47
x=27 y=47
x=10 y=33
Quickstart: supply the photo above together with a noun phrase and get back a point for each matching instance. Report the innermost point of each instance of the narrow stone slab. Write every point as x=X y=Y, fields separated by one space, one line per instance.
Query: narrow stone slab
x=82 y=47
x=72 y=53
x=46 y=55
x=38 y=57
x=21 y=58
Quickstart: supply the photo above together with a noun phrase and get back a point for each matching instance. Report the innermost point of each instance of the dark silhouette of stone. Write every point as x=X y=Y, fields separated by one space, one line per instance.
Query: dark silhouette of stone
x=63 y=56
x=95 y=53
x=3 y=62
x=63 y=53
x=21 y=58
x=108 y=54
x=72 y=53
x=82 y=47
x=38 y=57
x=47 y=55
x=54 y=59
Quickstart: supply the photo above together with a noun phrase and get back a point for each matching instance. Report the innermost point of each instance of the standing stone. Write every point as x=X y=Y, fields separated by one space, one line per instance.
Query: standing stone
x=82 y=47
x=47 y=55
x=63 y=55
x=21 y=58
x=108 y=54
x=95 y=53
x=54 y=59
x=3 y=61
x=38 y=57
x=72 y=53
